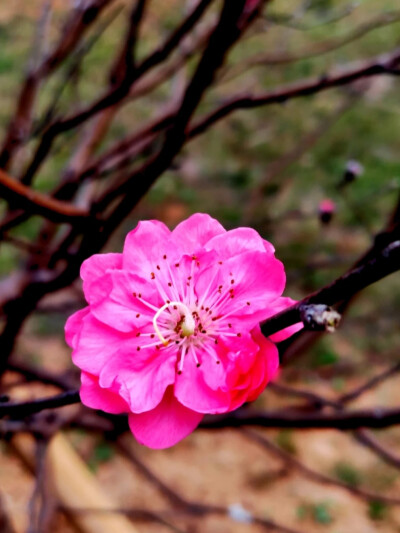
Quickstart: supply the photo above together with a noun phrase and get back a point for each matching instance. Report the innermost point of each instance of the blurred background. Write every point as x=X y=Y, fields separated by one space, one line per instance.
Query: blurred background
x=318 y=176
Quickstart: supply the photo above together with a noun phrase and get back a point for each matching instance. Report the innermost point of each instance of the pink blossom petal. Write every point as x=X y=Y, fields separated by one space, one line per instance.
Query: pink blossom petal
x=275 y=307
x=255 y=279
x=73 y=327
x=192 y=390
x=238 y=241
x=145 y=246
x=165 y=425
x=269 y=352
x=97 y=343
x=92 y=395
x=141 y=376
x=92 y=272
x=122 y=308
x=194 y=232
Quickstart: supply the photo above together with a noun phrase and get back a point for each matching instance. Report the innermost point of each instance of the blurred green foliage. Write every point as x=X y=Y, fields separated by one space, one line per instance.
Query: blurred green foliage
x=377 y=510
x=347 y=473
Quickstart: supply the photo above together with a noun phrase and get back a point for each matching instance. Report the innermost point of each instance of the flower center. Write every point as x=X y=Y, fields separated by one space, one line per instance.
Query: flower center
x=187 y=325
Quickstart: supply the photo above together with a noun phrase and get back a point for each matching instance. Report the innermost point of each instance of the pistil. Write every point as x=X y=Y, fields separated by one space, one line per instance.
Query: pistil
x=187 y=326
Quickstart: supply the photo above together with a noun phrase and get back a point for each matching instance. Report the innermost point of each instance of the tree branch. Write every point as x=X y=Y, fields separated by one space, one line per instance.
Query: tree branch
x=36 y=203
x=385 y=263
x=386 y=64
x=377 y=418
x=23 y=409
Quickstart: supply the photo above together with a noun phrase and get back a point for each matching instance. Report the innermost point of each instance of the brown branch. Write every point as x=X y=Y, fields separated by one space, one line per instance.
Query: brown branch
x=337 y=403
x=73 y=31
x=190 y=507
x=316 y=50
x=24 y=409
x=384 y=64
x=376 y=66
x=385 y=263
x=369 y=441
x=225 y=35
x=37 y=203
x=30 y=373
x=311 y=397
x=114 y=95
x=377 y=418
x=201 y=510
x=373 y=382
x=312 y=474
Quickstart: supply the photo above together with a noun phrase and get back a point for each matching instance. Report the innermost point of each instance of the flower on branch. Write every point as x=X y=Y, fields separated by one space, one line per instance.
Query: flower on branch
x=171 y=330
x=326 y=209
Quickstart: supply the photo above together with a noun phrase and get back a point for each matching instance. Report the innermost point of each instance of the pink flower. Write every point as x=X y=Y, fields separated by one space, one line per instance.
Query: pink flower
x=171 y=330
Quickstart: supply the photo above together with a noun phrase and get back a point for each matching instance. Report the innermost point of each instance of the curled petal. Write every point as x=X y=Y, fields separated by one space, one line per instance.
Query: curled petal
x=268 y=351
x=92 y=395
x=93 y=270
x=276 y=307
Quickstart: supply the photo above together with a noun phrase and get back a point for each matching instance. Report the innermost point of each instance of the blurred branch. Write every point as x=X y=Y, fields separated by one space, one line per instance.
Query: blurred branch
x=6 y=525
x=78 y=22
x=369 y=441
x=315 y=50
x=384 y=64
x=35 y=202
x=294 y=463
x=303 y=145
x=41 y=506
x=193 y=508
x=24 y=409
x=375 y=417
x=291 y=21
x=32 y=373
x=114 y=95
x=373 y=382
x=71 y=72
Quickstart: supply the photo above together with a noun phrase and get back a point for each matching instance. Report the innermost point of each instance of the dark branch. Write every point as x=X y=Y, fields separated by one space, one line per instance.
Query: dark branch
x=385 y=263
x=348 y=421
x=373 y=67
x=24 y=409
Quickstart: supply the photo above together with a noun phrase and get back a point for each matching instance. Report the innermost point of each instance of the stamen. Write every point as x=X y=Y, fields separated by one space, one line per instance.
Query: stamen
x=148 y=304
x=183 y=353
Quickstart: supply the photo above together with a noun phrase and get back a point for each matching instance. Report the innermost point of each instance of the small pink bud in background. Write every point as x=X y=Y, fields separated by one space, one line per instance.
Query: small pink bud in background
x=326 y=209
x=352 y=171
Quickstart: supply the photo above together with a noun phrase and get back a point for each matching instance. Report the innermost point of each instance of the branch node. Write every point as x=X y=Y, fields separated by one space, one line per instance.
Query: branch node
x=319 y=317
